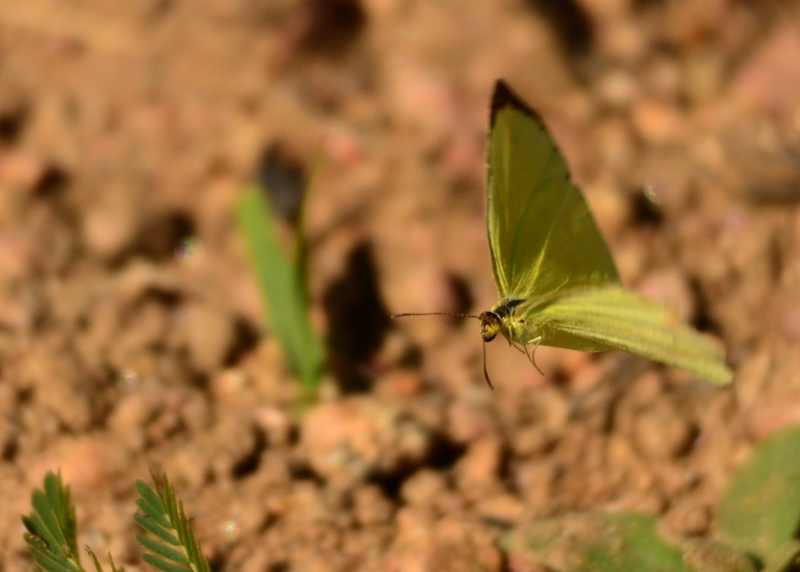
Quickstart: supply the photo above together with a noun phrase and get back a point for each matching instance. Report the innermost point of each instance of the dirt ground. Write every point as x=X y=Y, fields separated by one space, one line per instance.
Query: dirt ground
x=130 y=320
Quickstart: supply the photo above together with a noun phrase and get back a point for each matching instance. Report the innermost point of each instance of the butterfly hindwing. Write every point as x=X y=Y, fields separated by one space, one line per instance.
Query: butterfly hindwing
x=542 y=236
x=613 y=318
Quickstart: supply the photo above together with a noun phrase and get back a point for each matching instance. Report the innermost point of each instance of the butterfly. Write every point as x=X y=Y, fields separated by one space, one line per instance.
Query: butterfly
x=556 y=280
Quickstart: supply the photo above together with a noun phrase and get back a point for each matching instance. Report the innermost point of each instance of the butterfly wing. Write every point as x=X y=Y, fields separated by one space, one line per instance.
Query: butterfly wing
x=542 y=236
x=612 y=318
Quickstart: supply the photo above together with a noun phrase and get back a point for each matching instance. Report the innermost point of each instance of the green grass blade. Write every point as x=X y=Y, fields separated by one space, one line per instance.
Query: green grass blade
x=170 y=547
x=283 y=287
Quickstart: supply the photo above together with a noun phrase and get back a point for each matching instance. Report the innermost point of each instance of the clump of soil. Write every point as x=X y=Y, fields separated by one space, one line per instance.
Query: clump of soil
x=130 y=323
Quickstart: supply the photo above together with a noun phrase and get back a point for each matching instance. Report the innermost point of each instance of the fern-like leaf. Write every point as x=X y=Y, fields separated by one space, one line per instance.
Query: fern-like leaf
x=168 y=539
x=96 y=562
x=51 y=528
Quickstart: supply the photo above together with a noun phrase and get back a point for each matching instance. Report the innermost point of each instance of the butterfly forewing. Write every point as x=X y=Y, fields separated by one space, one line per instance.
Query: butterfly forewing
x=542 y=236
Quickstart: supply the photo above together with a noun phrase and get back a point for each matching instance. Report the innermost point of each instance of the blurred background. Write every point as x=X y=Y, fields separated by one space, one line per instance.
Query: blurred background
x=131 y=328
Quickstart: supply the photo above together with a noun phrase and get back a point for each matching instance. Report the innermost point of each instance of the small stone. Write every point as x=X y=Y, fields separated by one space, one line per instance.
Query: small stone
x=20 y=170
x=658 y=122
x=609 y=205
x=209 y=334
x=619 y=88
x=371 y=507
x=468 y=420
x=669 y=287
x=478 y=469
x=276 y=423
x=502 y=508
x=625 y=41
x=347 y=440
x=423 y=487
x=130 y=415
x=450 y=544
x=236 y=443
x=229 y=386
x=401 y=384
x=111 y=225
x=88 y=463
x=662 y=431
x=617 y=150
x=776 y=410
x=689 y=518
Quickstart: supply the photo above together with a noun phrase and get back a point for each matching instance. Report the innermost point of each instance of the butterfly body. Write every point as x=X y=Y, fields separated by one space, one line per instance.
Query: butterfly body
x=523 y=326
x=503 y=319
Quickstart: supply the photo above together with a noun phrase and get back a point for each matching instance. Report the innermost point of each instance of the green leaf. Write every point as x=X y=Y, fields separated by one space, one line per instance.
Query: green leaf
x=760 y=511
x=595 y=542
x=96 y=562
x=150 y=504
x=713 y=556
x=151 y=526
x=281 y=278
x=168 y=540
x=52 y=532
x=161 y=564
x=161 y=549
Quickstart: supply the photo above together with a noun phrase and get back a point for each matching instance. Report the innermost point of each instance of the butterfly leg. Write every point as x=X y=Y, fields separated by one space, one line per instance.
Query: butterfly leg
x=531 y=353
x=519 y=347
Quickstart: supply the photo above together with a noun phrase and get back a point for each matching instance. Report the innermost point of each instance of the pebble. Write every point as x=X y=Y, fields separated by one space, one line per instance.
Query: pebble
x=502 y=508
x=618 y=88
x=662 y=431
x=477 y=471
x=423 y=487
x=110 y=225
x=669 y=287
x=658 y=122
x=468 y=420
x=347 y=440
x=371 y=507
x=87 y=463
x=21 y=171
x=209 y=333
x=689 y=518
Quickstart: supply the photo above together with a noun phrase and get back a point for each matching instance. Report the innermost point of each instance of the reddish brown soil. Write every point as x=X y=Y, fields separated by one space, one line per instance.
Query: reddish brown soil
x=129 y=318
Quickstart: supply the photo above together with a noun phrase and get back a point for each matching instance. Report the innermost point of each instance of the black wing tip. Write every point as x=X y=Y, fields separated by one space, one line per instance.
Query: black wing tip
x=505 y=96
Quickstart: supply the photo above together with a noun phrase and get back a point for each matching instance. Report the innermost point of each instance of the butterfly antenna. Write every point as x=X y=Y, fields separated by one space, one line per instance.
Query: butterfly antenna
x=486 y=371
x=449 y=314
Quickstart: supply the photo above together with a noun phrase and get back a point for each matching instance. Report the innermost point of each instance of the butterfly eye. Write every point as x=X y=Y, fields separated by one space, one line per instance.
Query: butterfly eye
x=490 y=326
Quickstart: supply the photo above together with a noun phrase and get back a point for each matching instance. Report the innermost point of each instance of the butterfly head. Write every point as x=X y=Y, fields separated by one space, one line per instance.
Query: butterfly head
x=490 y=325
